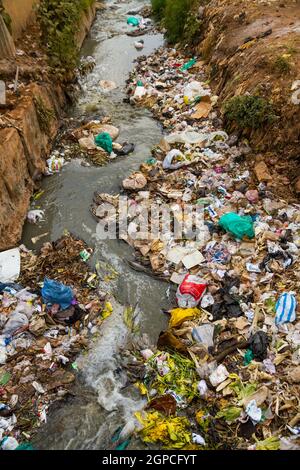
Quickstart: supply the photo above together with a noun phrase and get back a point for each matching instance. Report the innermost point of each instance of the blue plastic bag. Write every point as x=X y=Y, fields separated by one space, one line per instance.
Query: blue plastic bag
x=286 y=308
x=54 y=292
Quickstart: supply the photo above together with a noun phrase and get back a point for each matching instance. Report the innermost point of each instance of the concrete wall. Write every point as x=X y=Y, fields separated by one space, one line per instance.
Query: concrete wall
x=20 y=12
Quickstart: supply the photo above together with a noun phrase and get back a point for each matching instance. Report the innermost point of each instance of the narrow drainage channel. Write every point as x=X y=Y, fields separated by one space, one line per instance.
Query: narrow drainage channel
x=100 y=406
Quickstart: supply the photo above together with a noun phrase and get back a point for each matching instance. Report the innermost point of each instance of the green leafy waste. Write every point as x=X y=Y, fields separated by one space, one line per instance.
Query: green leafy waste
x=181 y=378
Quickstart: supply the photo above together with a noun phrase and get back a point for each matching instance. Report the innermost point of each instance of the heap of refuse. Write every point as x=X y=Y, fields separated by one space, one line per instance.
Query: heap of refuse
x=49 y=308
x=226 y=372
x=94 y=141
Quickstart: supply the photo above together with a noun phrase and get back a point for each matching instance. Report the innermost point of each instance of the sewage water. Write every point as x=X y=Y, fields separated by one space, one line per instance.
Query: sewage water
x=101 y=403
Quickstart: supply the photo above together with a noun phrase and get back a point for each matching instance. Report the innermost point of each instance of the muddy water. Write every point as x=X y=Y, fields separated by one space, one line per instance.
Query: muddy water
x=101 y=403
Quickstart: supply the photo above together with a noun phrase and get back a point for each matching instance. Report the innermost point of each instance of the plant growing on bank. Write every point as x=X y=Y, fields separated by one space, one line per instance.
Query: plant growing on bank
x=158 y=8
x=6 y=17
x=177 y=17
x=282 y=65
x=45 y=115
x=59 y=20
x=249 y=111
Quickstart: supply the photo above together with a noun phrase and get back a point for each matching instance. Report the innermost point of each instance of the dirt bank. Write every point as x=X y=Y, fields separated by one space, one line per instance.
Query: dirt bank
x=29 y=122
x=252 y=47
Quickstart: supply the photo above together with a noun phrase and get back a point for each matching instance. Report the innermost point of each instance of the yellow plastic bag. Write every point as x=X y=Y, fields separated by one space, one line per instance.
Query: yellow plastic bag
x=179 y=315
x=107 y=311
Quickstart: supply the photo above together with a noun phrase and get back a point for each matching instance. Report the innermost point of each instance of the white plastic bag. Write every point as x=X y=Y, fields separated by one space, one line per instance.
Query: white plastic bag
x=10 y=265
x=15 y=321
x=140 y=91
x=194 y=89
x=35 y=216
x=186 y=137
x=167 y=163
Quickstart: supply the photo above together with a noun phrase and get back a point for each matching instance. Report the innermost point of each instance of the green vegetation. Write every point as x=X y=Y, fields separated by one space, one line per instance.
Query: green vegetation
x=158 y=7
x=178 y=18
x=282 y=65
x=6 y=17
x=59 y=20
x=248 y=111
x=45 y=115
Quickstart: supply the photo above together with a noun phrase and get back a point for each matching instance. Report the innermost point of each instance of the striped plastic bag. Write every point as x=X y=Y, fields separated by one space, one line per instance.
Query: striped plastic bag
x=285 y=308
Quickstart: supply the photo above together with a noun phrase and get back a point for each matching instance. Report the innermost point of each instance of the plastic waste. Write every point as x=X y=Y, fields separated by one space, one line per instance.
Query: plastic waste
x=133 y=21
x=188 y=65
x=139 y=45
x=140 y=91
x=147 y=353
x=174 y=154
x=104 y=141
x=197 y=439
x=35 y=216
x=202 y=388
x=25 y=446
x=190 y=291
x=269 y=366
x=204 y=334
x=254 y=412
x=54 y=292
x=9 y=443
x=179 y=315
x=258 y=344
x=55 y=164
x=10 y=265
x=125 y=149
x=286 y=308
x=253 y=268
x=249 y=356
x=186 y=137
x=194 y=90
x=207 y=300
x=219 y=375
x=15 y=321
x=3 y=353
x=239 y=226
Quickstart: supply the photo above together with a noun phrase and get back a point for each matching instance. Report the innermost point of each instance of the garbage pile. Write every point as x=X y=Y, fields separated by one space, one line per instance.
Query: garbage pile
x=93 y=141
x=142 y=25
x=226 y=373
x=49 y=308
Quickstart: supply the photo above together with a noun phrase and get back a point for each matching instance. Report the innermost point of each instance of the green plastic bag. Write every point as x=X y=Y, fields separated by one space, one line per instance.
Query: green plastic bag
x=133 y=21
x=104 y=141
x=188 y=65
x=25 y=446
x=238 y=225
x=249 y=356
x=151 y=161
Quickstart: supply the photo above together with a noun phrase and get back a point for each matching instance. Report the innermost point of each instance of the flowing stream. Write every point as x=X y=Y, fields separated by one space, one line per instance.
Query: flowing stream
x=101 y=404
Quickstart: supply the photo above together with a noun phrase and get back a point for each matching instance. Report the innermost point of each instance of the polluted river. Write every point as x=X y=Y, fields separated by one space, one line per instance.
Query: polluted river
x=89 y=420
x=185 y=339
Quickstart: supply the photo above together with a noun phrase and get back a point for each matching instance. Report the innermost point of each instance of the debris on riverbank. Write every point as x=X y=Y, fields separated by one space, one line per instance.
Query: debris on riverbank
x=47 y=316
x=230 y=360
